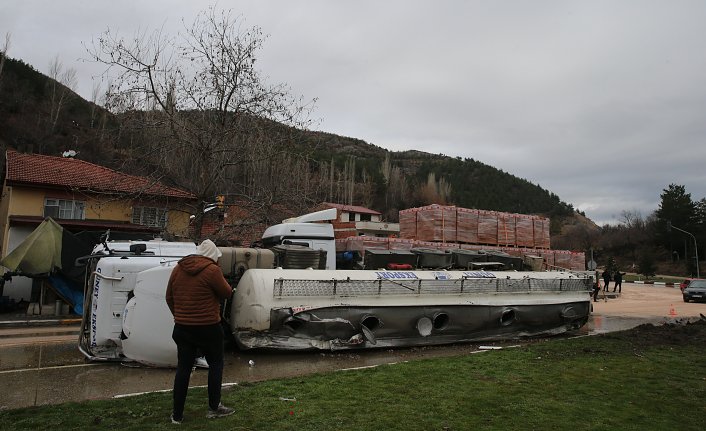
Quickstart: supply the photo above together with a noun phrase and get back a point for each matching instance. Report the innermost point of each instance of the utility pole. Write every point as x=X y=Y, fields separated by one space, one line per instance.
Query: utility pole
x=696 y=248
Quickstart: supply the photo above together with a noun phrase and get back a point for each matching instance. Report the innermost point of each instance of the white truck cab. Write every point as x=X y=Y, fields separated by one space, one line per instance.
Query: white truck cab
x=305 y=231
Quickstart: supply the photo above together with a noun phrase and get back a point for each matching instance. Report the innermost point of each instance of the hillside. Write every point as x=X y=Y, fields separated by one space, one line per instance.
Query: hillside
x=34 y=119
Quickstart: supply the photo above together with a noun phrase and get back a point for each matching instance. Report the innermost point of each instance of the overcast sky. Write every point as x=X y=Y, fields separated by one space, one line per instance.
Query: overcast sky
x=600 y=102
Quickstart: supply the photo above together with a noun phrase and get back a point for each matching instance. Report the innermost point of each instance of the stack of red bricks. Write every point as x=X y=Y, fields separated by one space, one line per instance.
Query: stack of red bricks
x=471 y=226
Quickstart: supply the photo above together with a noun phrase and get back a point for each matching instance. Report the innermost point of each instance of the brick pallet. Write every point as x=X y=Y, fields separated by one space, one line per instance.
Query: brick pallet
x=471 y=226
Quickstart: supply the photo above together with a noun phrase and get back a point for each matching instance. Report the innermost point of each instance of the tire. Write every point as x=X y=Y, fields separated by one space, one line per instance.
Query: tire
x=686 y=299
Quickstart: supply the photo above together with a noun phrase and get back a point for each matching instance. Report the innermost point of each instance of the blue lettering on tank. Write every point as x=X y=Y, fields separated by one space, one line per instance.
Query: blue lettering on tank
x=94 y=308
x=442 y=275
x=396 y=275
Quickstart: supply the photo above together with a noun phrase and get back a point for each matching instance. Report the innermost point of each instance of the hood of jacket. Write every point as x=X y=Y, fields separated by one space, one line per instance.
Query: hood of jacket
x=193 y=264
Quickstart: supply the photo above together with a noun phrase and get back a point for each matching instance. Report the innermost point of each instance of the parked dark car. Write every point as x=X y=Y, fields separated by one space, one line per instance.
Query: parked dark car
x=685 y=283
x=695 y=291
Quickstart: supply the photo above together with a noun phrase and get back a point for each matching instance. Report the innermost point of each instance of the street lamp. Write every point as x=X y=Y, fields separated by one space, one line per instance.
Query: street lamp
x=696 y=248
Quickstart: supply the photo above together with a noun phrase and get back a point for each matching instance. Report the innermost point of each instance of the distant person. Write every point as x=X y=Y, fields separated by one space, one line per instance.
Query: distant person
x=606 y=279
x=618 y=279
x=596 y=289
x=194 y=294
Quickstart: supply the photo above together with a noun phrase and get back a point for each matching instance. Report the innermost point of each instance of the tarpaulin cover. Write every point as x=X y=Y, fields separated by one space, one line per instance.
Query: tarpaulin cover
x=408 y=223
x=436 y=245
x=400 y=244
x=541 y=233
x=487 y=227
x=39 y=253
x=506 y=229
x=72 y=293
x=429 y=223
x=341 y=244
x=548 y=256
x=578 y=261
x=49 y=248
x=448 y=224
x=562 y=259
x=362 y=243
x=524 y=228
x=467 y=223
x=50 y=251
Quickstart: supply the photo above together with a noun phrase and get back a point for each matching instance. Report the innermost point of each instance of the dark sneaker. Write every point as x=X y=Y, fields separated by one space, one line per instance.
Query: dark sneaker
x=221 y=411
x=175 y=421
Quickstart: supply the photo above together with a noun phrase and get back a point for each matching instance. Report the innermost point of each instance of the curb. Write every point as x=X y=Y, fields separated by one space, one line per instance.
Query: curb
x=656 y=283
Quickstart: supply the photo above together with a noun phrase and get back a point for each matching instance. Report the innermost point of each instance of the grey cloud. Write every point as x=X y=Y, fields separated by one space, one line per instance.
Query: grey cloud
x=600 y=102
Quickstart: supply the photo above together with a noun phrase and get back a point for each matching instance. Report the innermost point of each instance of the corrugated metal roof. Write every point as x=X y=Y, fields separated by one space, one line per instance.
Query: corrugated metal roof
x=38 y=169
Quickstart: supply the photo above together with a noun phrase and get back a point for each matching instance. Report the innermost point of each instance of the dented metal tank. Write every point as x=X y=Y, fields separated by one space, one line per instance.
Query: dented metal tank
x=305 y=309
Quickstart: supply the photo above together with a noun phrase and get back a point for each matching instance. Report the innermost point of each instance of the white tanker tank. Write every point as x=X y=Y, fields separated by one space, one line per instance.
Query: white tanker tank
x=126 y=316
x=307 y=309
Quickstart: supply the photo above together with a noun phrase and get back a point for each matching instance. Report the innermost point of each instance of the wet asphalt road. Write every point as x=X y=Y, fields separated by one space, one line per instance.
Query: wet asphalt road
x=42 y=365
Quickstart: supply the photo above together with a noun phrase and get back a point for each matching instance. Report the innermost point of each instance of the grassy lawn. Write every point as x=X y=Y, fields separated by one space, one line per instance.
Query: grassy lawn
x=648 y=378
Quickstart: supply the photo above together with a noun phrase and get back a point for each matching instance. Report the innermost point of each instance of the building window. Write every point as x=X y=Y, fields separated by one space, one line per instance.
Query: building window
x=149 y=216
x=365 y=217
x=64 y=209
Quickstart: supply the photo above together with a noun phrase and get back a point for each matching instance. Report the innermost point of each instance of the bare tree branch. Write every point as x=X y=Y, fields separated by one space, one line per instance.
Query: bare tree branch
x=202 y=116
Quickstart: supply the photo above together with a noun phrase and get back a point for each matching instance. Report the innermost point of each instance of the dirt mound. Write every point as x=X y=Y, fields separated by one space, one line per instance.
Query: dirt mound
x=678 y=333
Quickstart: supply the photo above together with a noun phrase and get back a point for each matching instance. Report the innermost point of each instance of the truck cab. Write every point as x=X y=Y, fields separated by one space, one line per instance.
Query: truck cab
x=306 y=230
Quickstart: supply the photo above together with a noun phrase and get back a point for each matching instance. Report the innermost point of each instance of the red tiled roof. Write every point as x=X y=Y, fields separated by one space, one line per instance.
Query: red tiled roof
x=37 y=169
x=351 y=208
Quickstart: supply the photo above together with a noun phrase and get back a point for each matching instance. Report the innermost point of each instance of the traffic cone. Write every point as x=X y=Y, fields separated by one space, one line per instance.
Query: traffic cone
x=672 y=311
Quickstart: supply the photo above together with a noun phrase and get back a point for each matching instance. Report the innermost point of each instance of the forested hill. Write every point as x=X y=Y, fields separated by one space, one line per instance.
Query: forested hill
x=37 y=114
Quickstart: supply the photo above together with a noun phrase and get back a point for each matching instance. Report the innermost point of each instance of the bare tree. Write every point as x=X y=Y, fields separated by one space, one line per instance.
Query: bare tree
x=397 y=195
x=3 y=54
x=95 y=93
x=632 y=219
x=61 y=85
x=199 y=110
x=435 y=192
x=578 y=236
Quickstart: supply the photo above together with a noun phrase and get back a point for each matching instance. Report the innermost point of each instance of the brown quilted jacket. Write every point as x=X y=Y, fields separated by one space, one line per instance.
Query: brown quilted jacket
x=195 y=291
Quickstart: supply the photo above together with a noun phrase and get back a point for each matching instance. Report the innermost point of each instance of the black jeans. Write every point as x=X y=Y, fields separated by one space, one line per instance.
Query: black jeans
x=189 y=339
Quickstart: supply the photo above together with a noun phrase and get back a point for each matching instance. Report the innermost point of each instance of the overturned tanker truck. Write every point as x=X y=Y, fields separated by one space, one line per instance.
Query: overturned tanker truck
x=281 y=302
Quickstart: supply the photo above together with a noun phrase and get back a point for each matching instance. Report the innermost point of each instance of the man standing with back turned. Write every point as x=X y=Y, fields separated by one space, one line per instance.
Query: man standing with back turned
x=194 y=294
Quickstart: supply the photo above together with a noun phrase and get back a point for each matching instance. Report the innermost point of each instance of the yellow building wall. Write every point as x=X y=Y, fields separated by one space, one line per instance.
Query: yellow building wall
x=26 y=202
x=30 y=202
x=178 y=223
x=111 y=210
x=4 y=225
